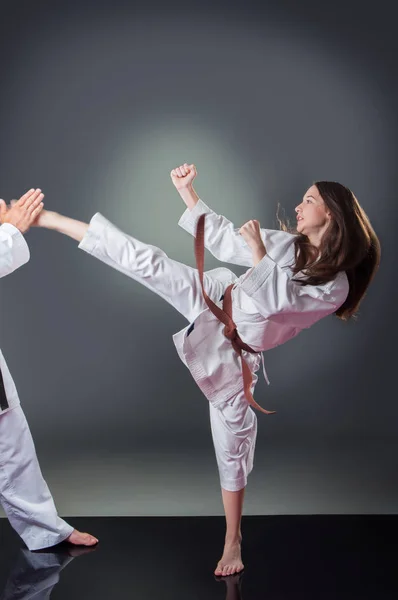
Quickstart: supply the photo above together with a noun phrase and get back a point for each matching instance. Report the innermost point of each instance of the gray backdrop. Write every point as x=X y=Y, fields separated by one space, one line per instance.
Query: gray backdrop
x=98 y=102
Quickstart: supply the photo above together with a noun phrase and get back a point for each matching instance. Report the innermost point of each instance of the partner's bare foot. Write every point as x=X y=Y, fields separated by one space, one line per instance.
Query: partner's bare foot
x=231 y=561
x=77 y=538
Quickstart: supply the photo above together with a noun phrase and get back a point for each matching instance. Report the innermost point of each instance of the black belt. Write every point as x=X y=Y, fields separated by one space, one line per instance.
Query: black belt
x=3 y=398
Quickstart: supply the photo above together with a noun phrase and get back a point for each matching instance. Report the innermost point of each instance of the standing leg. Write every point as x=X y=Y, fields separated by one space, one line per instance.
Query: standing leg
x=231 y=560
x=24 y=494
x=234 y=430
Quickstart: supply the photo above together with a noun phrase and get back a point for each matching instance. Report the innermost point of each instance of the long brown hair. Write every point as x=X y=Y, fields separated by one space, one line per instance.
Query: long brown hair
x=349 y=244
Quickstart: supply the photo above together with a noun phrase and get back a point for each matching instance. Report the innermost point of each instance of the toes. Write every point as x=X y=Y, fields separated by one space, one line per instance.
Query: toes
x=90 y=540
x=82 y=539
x=89 y=537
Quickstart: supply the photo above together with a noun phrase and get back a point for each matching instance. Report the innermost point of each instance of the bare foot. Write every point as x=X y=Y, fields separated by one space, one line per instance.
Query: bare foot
x=77 y=538
x=231 y=561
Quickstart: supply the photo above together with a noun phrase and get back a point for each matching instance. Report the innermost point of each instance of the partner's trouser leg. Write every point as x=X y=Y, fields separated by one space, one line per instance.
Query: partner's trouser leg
x=24 y=494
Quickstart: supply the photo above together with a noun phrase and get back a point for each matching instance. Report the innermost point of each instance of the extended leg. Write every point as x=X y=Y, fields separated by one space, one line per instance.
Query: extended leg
x=175 y=282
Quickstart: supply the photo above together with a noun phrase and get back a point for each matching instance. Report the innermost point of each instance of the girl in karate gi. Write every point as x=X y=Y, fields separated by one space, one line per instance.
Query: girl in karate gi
x=24 y=494
x=293 y=281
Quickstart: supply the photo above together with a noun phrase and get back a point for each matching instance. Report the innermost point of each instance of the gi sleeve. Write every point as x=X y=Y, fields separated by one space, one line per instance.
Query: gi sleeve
x=224 y=241
x=279 y=298
x=14 y=251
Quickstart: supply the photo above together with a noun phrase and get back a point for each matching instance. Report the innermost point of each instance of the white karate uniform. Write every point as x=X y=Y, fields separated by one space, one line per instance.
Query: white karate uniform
x=35 y=575
x=268 y=309
x=24 y=494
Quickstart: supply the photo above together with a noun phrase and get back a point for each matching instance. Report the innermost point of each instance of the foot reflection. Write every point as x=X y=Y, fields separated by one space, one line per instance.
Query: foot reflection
x=35 y=574
x=234 y=586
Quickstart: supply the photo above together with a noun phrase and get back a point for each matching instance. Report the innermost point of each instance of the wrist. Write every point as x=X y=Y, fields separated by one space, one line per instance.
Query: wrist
x=189 y=196
x=13 y=223
x=258 y=253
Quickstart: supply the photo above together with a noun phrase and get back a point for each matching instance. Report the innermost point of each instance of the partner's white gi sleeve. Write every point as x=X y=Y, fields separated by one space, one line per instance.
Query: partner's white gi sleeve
x=279 y=298
x=224 y=241
x=14 y=251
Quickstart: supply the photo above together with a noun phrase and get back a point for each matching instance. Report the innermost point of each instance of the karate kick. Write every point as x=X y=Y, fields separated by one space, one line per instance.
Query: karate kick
x=293 y=280
x=24 y=494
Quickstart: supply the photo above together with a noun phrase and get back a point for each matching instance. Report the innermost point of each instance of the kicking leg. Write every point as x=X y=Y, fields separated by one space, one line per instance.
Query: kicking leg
x=175 y=282
x=25 y=496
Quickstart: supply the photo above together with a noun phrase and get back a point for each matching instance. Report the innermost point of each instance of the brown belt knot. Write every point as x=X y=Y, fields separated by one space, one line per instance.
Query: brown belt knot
x=231 y=333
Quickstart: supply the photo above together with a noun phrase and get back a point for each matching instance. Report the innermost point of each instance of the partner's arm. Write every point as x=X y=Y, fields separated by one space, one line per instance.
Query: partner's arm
x=14 y=251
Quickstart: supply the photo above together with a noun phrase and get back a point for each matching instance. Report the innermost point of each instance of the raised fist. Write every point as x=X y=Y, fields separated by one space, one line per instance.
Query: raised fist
x=183 y=176
x=251 y=233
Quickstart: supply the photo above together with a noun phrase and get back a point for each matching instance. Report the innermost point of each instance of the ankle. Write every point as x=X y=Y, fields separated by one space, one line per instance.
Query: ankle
x=233 y=539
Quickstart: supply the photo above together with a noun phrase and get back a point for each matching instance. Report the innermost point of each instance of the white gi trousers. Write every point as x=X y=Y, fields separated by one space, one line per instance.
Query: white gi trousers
x=233 y=422
x=24 y=494
x=35 y=575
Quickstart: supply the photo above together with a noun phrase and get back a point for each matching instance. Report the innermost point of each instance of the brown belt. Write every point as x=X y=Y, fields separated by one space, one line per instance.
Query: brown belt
x=224 y=315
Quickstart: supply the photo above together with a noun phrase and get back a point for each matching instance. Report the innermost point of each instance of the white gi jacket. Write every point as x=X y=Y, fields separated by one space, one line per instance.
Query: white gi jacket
x=268 y=307
x=14 y=253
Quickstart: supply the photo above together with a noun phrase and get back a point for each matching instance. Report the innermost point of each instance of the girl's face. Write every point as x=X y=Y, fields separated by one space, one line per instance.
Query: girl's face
x=313 y=216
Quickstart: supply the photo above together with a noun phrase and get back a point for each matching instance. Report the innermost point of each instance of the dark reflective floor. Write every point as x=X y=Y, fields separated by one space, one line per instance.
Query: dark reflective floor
x=335 y=557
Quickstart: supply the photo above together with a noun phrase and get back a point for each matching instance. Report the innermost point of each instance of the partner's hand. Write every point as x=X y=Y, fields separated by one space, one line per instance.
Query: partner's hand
x=23 y=212
x=183 y=176
x=44 y=219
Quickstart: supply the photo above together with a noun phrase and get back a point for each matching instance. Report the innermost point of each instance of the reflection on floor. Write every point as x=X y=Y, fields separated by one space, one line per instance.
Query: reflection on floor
x=292 y=557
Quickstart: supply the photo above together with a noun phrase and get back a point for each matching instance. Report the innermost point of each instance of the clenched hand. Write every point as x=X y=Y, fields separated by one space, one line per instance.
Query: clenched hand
x=183 y=176
x=251 y=233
